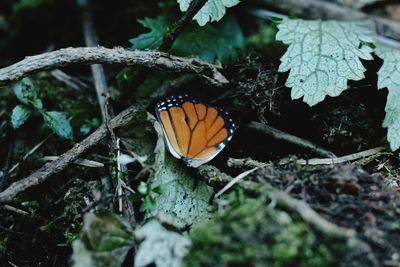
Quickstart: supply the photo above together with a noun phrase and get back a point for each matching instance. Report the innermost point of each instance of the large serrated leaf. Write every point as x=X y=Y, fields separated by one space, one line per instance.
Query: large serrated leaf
x=322 y=56
x=183 y=200
x=19 y=115
x=162 y=247
x=213 y=10
x=389 y=77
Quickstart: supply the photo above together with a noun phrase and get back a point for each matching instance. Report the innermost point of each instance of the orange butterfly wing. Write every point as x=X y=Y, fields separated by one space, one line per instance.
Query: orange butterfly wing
x=194 y=132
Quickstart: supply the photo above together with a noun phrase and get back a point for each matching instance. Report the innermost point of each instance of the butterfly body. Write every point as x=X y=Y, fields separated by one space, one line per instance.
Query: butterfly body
x=193 y=131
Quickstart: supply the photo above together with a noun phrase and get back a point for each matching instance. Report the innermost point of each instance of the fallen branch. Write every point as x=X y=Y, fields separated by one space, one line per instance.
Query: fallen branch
x=347 y=158
x=234 y=181
x=82 y=162
x=99 y=77
x=310 y=216
x=251 y=163
x=284 y=200
x=58 y=165
x=280 y=135
x=93 y=55
x=317 y=9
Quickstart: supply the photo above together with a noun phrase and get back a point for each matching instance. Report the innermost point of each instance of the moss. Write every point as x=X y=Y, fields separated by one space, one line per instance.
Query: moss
x=249 y=233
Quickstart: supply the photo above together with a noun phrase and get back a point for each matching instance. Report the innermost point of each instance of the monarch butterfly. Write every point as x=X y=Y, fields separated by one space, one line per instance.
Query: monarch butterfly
x=193 y=131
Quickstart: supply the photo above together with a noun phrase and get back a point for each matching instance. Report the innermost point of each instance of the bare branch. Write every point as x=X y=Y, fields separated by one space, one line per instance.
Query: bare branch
x=326 y=10
x=58 y=165
x=93 y=55
x=280 y=135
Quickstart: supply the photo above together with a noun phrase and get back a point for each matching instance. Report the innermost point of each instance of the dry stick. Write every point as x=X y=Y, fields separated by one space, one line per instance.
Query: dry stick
x=92 y=55
x=82 y=162
x=351 y=157
x=100 y=82
x=280 y=135
x=267 y=14
x=310 y=216
x=297 y=206
x=234 y=181
x=91 y=40
x=326 y=10
x=49 y=169
x=251 y=163
x=70 y=81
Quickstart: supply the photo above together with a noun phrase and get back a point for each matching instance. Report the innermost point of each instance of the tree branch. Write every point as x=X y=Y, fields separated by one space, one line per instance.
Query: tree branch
x=92 y=55
x=68 y=157
x=317 y=9
x=280 y=135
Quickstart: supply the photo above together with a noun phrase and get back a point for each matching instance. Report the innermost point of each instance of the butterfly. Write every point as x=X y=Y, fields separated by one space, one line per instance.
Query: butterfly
x=193 y=131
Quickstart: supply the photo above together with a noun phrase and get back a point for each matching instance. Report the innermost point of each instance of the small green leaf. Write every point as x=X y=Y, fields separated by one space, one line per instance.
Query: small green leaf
x=104 y=242
x=37 y=103
x=19 y=115
x=143 y=188
x=161 y=247
x=25 y=91
x=389 y=77
x=212 y=42
x=213 y=10
x=149 y=204
x=322 y=56
x=58 y=123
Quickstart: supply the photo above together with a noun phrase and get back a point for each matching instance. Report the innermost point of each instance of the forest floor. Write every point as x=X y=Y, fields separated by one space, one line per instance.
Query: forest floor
x=359 y=197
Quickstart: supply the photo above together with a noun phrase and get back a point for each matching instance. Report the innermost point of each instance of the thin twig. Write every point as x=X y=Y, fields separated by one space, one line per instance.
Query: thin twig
x=91 y=40
x=347 y=158
x=234 y=181
x=82 y=162
x=251 y=163
x=91 y=55
x=14 y=209
x=310 y=216
x=70 y=81
x=30 y=152
x=49 y=169
x=280 y=135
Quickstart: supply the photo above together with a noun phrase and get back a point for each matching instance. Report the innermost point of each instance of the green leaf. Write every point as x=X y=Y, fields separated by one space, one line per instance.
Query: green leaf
x=151 y=40
x=322 y=56
x=389 y=77
x=213 y=10
x=58 y=123
x=28 y=4
x=25 y=92
x=183 y=201
x=19 y=115
x=105 y=241
x=162 y=247
x=212 y=42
